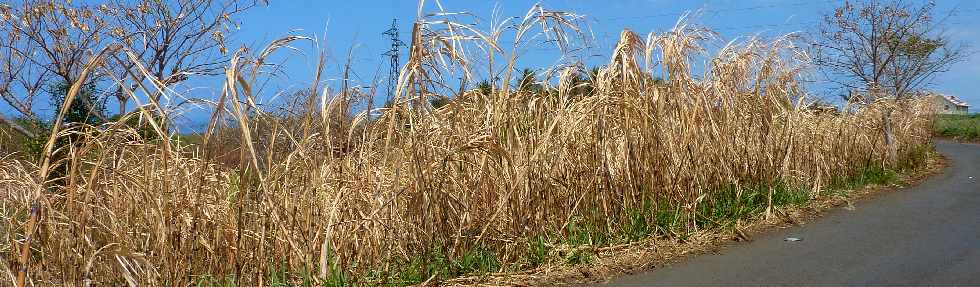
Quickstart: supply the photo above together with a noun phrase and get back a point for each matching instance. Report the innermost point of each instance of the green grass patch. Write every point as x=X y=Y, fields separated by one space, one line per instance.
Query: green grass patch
x=863 y=177
x=478 y=260
x=961 y=127
x=732 y=204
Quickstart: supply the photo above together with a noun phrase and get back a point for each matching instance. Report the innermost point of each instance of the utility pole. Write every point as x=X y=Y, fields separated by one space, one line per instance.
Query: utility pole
x=392 y=55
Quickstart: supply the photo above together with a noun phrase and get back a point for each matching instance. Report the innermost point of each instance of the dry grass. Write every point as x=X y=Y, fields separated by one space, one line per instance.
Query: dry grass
x=662 y=250
x=336 y=199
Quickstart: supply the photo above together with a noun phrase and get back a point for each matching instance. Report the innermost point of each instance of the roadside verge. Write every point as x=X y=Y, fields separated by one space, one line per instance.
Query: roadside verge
x=657 y=252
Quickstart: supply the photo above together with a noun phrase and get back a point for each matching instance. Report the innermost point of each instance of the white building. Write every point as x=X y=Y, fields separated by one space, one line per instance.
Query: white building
x=950 y=105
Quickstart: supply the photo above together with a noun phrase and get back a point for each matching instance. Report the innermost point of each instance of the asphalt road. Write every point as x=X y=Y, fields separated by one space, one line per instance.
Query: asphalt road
x=927 y=235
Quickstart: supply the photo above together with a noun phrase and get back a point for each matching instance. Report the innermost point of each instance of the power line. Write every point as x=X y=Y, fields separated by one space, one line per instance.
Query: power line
x=761 y=26
x=717 y=10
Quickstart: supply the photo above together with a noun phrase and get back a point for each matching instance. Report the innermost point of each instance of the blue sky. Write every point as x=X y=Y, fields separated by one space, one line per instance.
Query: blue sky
x=358 y=25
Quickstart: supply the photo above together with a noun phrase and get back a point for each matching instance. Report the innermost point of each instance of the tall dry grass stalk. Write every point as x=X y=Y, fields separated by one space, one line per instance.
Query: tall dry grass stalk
x=321 y=193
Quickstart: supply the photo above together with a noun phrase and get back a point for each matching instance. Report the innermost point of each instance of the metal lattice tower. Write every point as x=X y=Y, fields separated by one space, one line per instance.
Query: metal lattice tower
x=392 y=54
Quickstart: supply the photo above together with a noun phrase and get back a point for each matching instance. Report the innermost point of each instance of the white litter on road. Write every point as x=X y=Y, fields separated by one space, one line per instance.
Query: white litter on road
x=792 y=239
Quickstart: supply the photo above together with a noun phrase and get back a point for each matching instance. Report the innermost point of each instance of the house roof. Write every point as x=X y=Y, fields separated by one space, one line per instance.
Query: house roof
x=956 y=101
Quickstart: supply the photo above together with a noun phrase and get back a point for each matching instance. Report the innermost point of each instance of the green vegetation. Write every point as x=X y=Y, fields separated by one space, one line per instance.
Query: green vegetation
x=960 y=127
x=13 y=142
x=86 y=108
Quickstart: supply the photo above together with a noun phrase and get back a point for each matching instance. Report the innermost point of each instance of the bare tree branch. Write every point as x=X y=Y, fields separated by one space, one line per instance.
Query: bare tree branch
x=177 y=39
x=893 y=46
x=43 y=41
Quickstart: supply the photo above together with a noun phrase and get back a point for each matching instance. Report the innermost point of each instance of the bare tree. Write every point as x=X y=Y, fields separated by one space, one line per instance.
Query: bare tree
x=884 y=50
x=43 y=42
x=47 y=41
x=20 y=79
x=174 y=39
x=895 y=46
